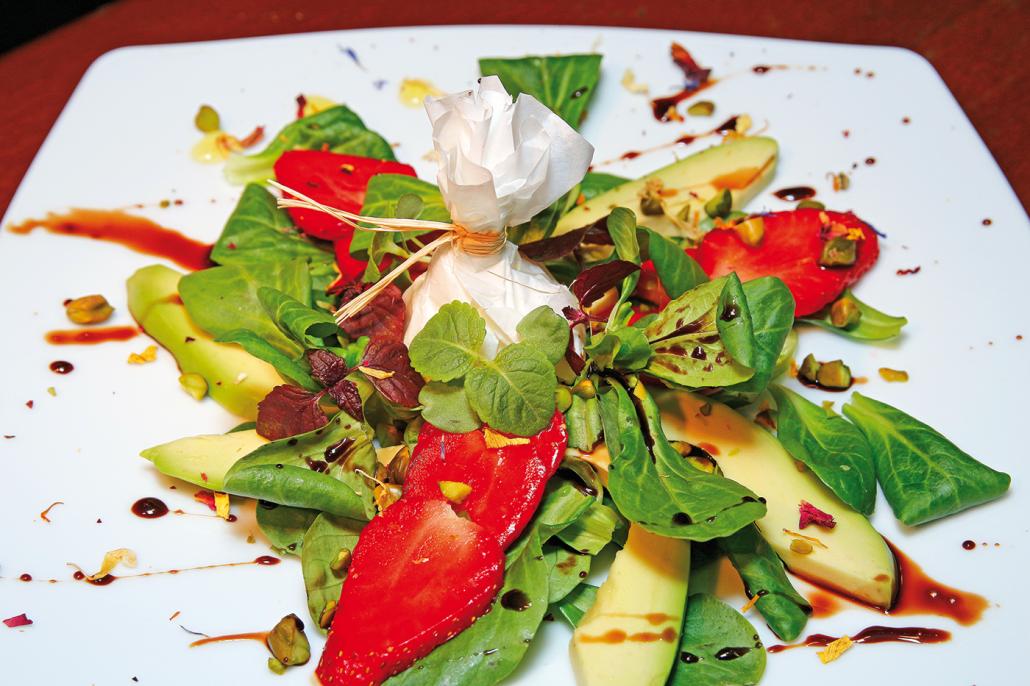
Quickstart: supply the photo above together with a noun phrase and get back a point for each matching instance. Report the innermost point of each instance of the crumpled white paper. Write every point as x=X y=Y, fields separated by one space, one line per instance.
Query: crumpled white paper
x=500 y=164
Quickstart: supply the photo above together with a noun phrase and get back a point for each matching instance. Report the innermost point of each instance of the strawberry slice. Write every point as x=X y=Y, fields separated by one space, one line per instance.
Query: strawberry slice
x=507 y=482
x=419 y=574
x=332 y=179
x=790 y=249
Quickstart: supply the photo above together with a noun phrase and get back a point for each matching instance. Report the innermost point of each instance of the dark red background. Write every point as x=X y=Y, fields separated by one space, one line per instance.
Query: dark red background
x=980 y=48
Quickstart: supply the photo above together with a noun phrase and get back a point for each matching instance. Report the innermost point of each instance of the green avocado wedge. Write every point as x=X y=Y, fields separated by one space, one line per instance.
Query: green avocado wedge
x=743 y=167
x=235 y=379
x=204 y=460
x=852 y=557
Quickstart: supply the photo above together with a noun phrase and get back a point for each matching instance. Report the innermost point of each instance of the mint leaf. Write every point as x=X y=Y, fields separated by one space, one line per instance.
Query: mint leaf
x=545 y=330
x=446 y=348
x=446 y=406
x=923 y=474
x=832 y=447
x=514 y=392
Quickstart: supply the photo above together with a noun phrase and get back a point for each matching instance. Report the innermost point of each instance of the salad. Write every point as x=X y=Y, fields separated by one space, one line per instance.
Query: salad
x=457 y=395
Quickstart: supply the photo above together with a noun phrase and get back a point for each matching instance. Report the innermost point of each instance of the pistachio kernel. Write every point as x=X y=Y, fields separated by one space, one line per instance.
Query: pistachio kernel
x=288 y=643
x=751 y=231
x=563 y=398
x=834 y=374
x=809 y=370
x=194 y=384
x=651 y=199
x=276 y=666
x=809 y=204
x=325 y=618
x=701 y=108
x=839 y=252
x=801 y=547
x=207 y=120
x=585 y=389
x=340 y=565
x=844 y=313
x=720 y=205
x=893 y=375
x=89 y=309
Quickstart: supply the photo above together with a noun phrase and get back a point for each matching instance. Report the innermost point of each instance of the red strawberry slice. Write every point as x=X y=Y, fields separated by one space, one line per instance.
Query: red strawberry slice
x=419 y=575
x=332 y=179
x=507 y=483
x=790 y=249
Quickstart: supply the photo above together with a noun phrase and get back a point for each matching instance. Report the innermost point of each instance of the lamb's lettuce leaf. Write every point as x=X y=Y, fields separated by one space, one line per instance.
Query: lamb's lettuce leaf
x=719 y=647
x=564 y=83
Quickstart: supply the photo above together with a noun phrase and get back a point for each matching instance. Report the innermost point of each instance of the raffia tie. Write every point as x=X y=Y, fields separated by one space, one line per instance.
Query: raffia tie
x=472 y=242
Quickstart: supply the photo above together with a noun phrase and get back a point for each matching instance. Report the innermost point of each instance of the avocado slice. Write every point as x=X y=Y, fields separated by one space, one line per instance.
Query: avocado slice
x=235 y=379
x=742 y=166
x=631 y=633
x=204 y=460
x=855 y=560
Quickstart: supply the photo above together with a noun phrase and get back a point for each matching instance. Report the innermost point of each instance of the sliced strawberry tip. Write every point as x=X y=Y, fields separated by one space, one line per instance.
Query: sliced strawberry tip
x=506 y=483
x=790 y=249
x=418 y=575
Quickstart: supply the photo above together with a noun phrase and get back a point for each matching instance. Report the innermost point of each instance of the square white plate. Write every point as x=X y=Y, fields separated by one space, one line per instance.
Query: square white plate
x=125 y=138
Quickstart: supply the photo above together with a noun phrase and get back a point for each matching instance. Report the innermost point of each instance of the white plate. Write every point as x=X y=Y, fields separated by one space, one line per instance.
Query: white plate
x=125 y=137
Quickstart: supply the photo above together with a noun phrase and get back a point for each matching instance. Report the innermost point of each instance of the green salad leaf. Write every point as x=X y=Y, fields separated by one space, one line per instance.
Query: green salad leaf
x=224 y=299
x=733 y=321
x=307 y=326
x=592 y=531
x=289 y=368
x=258 y=231
x=449 y=344
x=383 y=195
x=446 y=406
x=284 y=526
x=771 y=307
x=543 y=224
x=546 y=330
x=654 y=486
x=583 y=422
x=564 y=83
x=677 y=271
x=280 y=472
x=923 y=474
x=832 y=447
x=337 y=129
x=719 y=647
x=785 y=610
x=514 y=392
x=566 y=570
x=572 y=607
x=688 y=349
x=873 y=325
x=327 y=544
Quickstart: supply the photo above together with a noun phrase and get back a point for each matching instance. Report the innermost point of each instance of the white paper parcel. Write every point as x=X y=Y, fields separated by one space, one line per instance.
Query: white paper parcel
x=500 y=164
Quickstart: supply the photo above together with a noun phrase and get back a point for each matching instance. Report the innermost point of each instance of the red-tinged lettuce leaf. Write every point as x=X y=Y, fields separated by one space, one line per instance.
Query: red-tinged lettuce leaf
x=810 y=514
x=17 y=621
x=555 y=247
x=345 y=393
x=592 y=283
x=288 y=411
x=403 y=383
x=383 y=318
x=327 y=368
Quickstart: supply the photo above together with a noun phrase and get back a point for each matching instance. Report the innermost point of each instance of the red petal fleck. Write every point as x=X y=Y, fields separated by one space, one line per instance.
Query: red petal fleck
x=810 y=514
x=19 y=620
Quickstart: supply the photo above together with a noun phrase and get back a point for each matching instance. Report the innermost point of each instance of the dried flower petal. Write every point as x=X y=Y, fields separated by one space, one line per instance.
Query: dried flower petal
x=496 y=439
x=835 y=649
x=810 y=514
x=112 y=559
x=148 y=355
x=222 y=505
x=893 y=375
x=17 y=621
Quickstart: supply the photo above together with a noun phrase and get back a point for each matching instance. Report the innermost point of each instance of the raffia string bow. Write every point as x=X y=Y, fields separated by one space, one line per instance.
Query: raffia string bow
x=472 y=242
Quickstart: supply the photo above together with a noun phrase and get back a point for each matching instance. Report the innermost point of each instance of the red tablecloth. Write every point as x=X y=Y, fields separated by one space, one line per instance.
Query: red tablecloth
x=979 y=47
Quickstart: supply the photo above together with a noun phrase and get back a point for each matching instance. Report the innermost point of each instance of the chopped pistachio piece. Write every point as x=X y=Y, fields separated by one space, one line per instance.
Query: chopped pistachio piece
x=701 y=108
x=809 y=370
x=455 y=491
x=325 y=618
x=89 y=309
x=585 y=389
x=207 y=120
x=809 y=204
x=839 y=252
x=194 y=384
x=562 y=398
x=751 y=231
x=720 y=205
x=844 y=313
x=340 y=565
x=276 y=666
x=834 y=374
x=651 y=199
x=288 y=643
